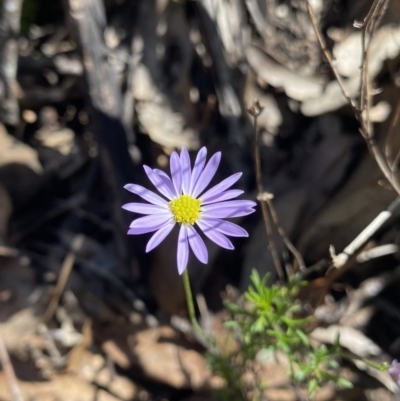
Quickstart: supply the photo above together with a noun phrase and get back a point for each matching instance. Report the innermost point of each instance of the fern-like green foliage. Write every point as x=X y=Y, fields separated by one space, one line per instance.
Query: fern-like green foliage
x=269 y=321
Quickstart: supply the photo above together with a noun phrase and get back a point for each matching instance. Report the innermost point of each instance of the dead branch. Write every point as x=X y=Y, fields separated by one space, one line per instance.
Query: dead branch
x=9 y=372
x=282 y=233
x=65 y=272
x=361 y=110
x=88 y=20
x=10 y=17
x=340 y=260
x=229 y=104
x=255 y=110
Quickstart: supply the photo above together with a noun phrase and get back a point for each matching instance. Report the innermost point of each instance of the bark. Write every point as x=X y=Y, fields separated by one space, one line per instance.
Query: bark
x=10 y=17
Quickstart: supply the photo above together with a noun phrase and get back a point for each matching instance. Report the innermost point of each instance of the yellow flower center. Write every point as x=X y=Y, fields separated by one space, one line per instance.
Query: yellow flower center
x=186 y=210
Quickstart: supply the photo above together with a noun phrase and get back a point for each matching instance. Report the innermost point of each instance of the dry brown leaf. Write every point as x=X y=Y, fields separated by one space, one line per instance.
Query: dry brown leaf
x=295 y=86
x=59 y=388
x=15 y=151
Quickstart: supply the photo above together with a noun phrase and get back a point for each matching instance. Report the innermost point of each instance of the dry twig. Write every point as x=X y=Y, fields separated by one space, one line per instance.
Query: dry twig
x=255 y=110
x=10 y=17
x=361 y=110
x=365 y=235
x=282 y=233
x=66 y=269
x=392 y=160
x=266 y=202
x=9 y=372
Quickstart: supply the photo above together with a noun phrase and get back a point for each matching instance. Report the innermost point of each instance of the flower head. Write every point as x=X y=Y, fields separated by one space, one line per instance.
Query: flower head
x=187 y=203
x=394 y=372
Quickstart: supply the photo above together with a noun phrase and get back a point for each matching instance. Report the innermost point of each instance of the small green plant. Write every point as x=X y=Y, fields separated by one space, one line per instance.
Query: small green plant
x=269 y=322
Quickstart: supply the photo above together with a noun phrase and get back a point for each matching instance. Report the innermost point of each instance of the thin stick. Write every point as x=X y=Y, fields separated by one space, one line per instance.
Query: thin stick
x=9 y=372
x=66 y=269
x=392 y=161
x=282 y=233
x=373 y=17
x=341 y=259
x=328 y=54
x=255 y=111
x=266 y=199
x=368 y=28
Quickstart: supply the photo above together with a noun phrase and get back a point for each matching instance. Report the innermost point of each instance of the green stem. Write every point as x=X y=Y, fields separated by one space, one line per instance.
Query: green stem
x=190 y=304
x=378 y=366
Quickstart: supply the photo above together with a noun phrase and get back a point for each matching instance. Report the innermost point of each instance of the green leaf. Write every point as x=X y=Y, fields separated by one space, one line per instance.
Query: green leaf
x=233 y=307
x=264 y=355
x=303 y=337
x=300 y=375
x=231 y=324
x=259 y=325
x=255 y=277
x=343 y=383
x=312 y=387
x=333 y=364
x=247 y=338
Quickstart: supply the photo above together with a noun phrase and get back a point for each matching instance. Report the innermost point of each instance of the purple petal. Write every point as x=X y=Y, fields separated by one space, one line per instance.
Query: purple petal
x=176 y=172
x=148 y=224
x=207 y=174
x=167 y=181
x=198 y=167
x=394 y=372
x=145 y=208
x=232 y=193
x=221 y=187
x=186 y=170
x=227 y=228
x=197 y=244
x=158 y=182
x=183 y=249
x=159 y=236
x=242 y=204
x=146 y=194
x=215 y=235
x=227 y=212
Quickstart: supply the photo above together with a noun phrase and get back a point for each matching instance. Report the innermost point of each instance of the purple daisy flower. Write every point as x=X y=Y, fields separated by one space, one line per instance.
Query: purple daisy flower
x=394 y=372
x=188 y=205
